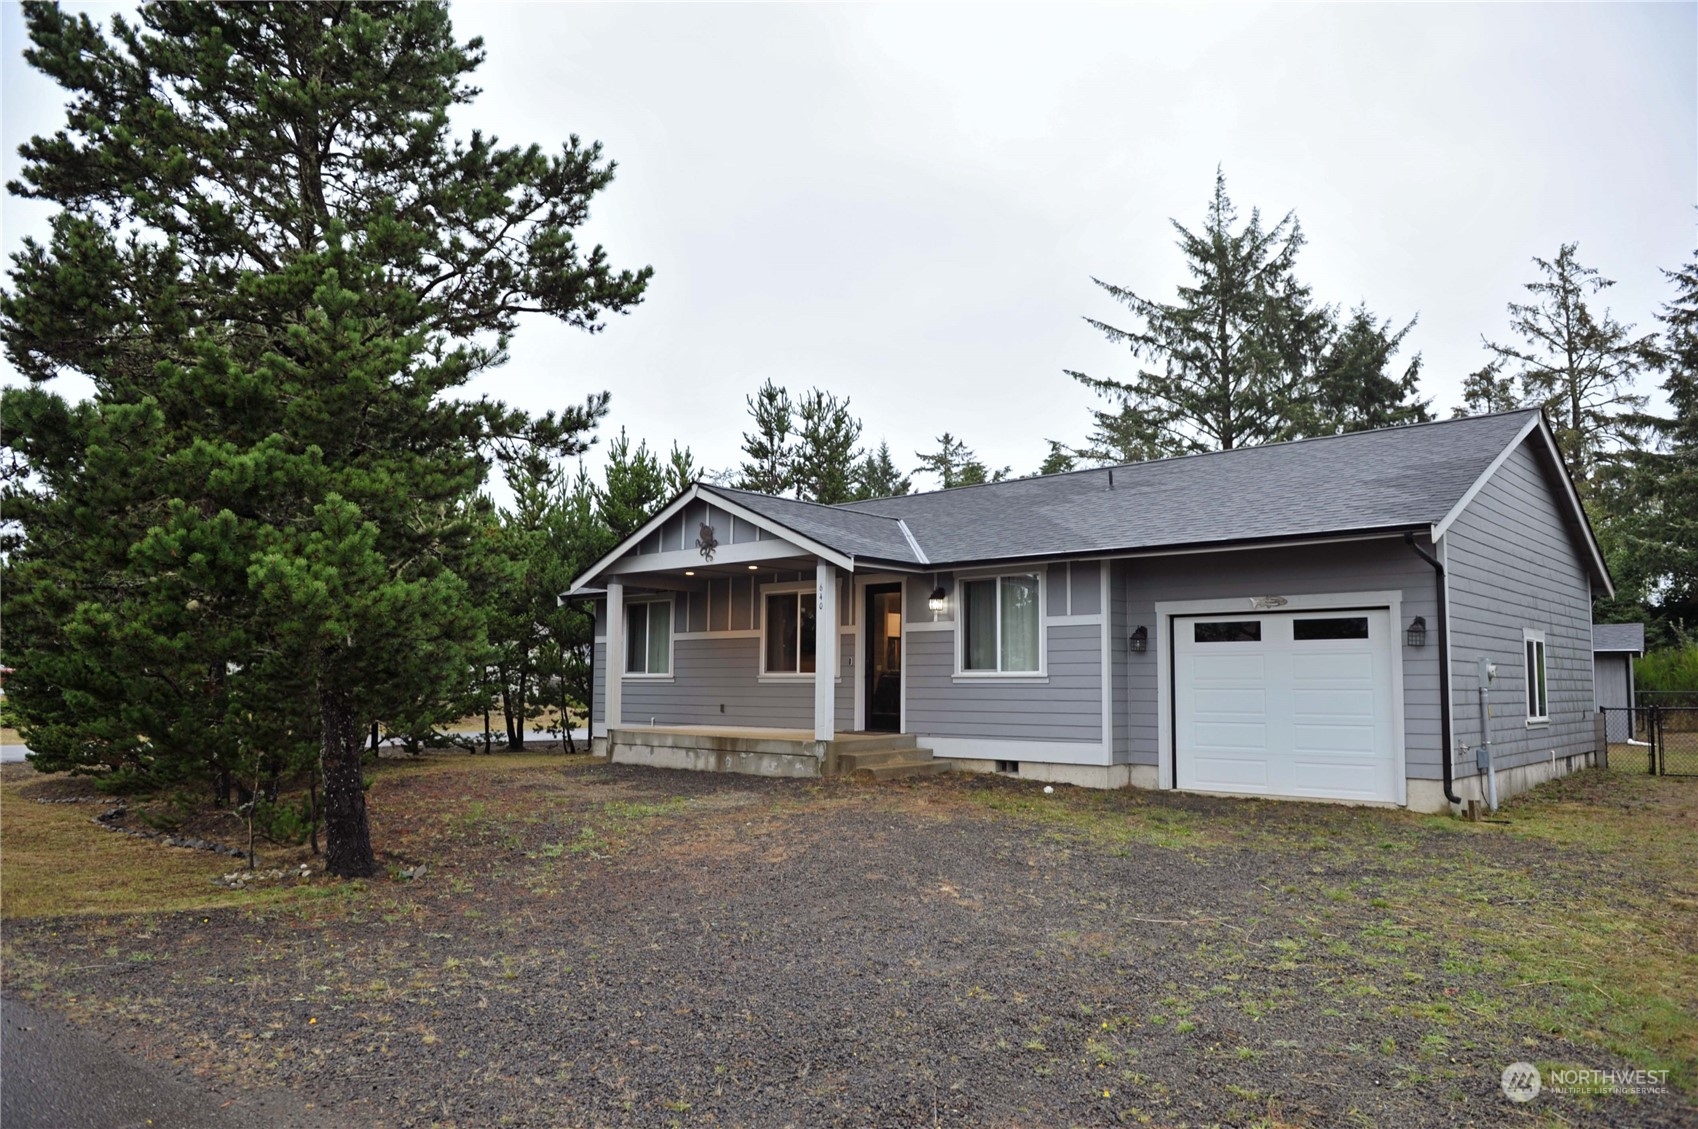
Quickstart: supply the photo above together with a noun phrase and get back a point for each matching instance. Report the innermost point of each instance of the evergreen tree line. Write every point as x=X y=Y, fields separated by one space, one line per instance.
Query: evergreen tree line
x=265 y=537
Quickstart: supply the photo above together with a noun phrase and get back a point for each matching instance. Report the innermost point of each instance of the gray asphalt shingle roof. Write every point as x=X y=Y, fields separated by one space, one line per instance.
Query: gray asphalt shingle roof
x=1619 y=637
x=1394 y=478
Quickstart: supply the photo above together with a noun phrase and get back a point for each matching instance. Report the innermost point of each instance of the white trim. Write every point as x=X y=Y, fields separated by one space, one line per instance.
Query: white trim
x=1074 y=620
x=1576 y=509
x=691 y=494
x=923 y=625
x=1444 y=523
x=782 y=588
x=1167 y=611
x=738 y=634
x=671 y=639
x=1542 y=651
x=766 y=552
x=1108 y=654
x=1041 y=573
x=1012 y=679
x=1031 y=752
x=919 y=553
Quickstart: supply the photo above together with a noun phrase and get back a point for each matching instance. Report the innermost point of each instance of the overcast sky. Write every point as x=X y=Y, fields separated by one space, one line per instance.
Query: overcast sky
x=906 y=204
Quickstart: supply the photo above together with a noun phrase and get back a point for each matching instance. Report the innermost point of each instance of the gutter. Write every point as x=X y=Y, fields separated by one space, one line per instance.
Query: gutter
x=1444 y=668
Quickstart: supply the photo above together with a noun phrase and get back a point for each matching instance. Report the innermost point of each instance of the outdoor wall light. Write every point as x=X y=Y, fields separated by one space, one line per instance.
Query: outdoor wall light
x=939 y=600
x=1416 y=636
x=1140 y=640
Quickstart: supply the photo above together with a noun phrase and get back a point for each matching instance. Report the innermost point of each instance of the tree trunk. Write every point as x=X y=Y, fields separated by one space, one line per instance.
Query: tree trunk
x=347 y=834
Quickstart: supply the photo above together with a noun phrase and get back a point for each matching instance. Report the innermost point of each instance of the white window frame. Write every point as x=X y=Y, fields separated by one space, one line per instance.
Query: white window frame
x=960 y=612
x=1535 y=640
x=671 y=638
x=784 y=587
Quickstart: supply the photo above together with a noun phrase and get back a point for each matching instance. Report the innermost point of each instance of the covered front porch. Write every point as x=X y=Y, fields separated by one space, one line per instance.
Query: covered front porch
x=726 y=642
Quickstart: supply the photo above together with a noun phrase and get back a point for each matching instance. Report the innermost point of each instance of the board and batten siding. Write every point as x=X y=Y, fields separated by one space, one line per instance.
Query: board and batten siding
x=1338 y=567
x=1514 y=564
x=716 y=681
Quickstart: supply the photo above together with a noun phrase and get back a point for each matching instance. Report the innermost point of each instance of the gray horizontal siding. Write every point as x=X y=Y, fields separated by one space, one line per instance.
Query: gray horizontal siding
x=1119 y=661
x=1513 y=564
x=710 y=673
x=1066 y=707
x=1359 y=566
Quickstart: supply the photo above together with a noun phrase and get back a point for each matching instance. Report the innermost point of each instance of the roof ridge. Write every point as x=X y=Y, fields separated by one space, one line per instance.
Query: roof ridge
x=1189 y=455
x=834 y=507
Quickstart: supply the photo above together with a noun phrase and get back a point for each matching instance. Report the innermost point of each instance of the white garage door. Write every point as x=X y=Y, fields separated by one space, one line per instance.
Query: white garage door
x=1286 y=704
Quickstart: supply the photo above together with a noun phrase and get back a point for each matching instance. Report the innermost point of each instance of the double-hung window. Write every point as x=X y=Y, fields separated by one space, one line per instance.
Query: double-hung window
x=1001 y=624
x=1538 y=704
x=648 y=638
x=789 y=632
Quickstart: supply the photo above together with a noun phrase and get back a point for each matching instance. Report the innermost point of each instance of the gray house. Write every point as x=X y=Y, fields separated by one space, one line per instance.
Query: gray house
x=1298 y=620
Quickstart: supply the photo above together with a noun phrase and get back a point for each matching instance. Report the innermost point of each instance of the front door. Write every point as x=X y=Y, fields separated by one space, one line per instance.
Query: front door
x=883 y=660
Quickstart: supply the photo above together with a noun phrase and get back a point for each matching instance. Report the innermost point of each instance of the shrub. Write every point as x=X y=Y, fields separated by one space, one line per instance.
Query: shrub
x=1669 y=669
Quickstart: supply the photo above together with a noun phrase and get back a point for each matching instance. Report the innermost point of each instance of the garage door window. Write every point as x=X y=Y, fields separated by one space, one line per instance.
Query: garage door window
x=1338 y=627
x=1232 y=631
x=1538 y=707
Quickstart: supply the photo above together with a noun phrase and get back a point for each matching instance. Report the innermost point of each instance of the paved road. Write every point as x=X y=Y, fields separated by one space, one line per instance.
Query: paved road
x=54 y=1075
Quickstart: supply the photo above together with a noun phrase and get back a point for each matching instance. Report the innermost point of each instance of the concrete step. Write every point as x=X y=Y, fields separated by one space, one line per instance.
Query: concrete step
x=873 y=743
x=872 y=758
x=901 y=770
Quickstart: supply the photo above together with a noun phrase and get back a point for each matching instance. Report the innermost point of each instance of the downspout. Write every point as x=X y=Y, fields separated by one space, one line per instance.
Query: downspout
x=1444 y=667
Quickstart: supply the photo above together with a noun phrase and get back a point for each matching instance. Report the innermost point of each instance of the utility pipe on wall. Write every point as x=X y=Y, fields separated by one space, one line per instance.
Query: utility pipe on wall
x=1446 y=736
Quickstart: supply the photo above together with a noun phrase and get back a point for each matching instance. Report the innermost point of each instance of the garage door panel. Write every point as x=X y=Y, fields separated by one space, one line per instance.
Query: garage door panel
x=1286 y=715
x=1331 y=778
x=1232 y=774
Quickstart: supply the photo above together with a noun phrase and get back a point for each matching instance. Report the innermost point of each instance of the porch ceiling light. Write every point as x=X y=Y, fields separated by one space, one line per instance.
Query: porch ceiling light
x=938 y=601
x=1416 y=636
x=1140 y=640
x=689 y=572
x=754 y=568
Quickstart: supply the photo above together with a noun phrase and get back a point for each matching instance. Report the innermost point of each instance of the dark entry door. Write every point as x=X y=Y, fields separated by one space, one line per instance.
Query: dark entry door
x=883 y=661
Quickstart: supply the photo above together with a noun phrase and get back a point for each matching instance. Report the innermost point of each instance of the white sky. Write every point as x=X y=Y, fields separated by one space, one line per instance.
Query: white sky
x=905 y=204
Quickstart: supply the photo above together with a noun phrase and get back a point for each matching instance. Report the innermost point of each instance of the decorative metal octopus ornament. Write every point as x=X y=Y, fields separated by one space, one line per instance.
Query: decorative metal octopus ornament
x=705 y=542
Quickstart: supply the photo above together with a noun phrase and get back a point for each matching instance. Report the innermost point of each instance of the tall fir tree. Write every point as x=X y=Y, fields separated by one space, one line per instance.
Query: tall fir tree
x=1354 y=384
x=1230 y=358
x=1581 y=366
x=277 y=267
x=826 y=451
x=634 y=487
x=769 y=453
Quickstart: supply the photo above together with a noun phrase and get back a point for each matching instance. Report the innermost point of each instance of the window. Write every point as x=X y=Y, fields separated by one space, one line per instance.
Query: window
x=648 y=637
x=1538 y=705
x=790 y=630
x=1346 y=627
x=1000 y=625
x=1230 y=631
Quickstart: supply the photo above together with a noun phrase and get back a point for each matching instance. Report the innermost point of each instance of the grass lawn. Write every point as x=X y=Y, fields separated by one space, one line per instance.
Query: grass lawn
x=601 y=945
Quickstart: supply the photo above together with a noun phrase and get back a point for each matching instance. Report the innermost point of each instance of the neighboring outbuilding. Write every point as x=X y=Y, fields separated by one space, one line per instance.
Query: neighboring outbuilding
x=1298 y=620
x=1614 y=647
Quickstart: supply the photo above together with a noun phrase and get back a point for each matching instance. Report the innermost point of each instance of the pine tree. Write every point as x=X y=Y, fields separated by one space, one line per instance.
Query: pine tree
x=1579 y=366
x=682 y=470
x=1353 y=388
x=634 y=487
x=1060 y=459
x=826 y=455
x=955 y=464
x=769 y=466
x=277 y=267
x=1231 y=355
x=1649 y=525
x=876 y=476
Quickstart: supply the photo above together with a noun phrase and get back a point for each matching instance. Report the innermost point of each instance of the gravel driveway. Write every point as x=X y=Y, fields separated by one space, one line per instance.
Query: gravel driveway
x=619 y=946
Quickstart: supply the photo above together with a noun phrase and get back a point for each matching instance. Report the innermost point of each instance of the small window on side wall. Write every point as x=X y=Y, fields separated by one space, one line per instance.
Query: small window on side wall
x=1538 y=700
x=648 y=637
x=788 y=647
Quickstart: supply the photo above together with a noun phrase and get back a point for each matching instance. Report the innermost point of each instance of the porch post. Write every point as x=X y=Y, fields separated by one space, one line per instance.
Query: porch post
x=826 y=649
x=613 y=682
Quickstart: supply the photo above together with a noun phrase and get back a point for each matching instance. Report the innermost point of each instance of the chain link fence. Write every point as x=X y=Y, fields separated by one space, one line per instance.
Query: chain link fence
x=1665 y=736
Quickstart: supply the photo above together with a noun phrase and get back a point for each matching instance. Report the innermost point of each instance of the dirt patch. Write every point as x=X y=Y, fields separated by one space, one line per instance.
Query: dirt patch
x=600 y=945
